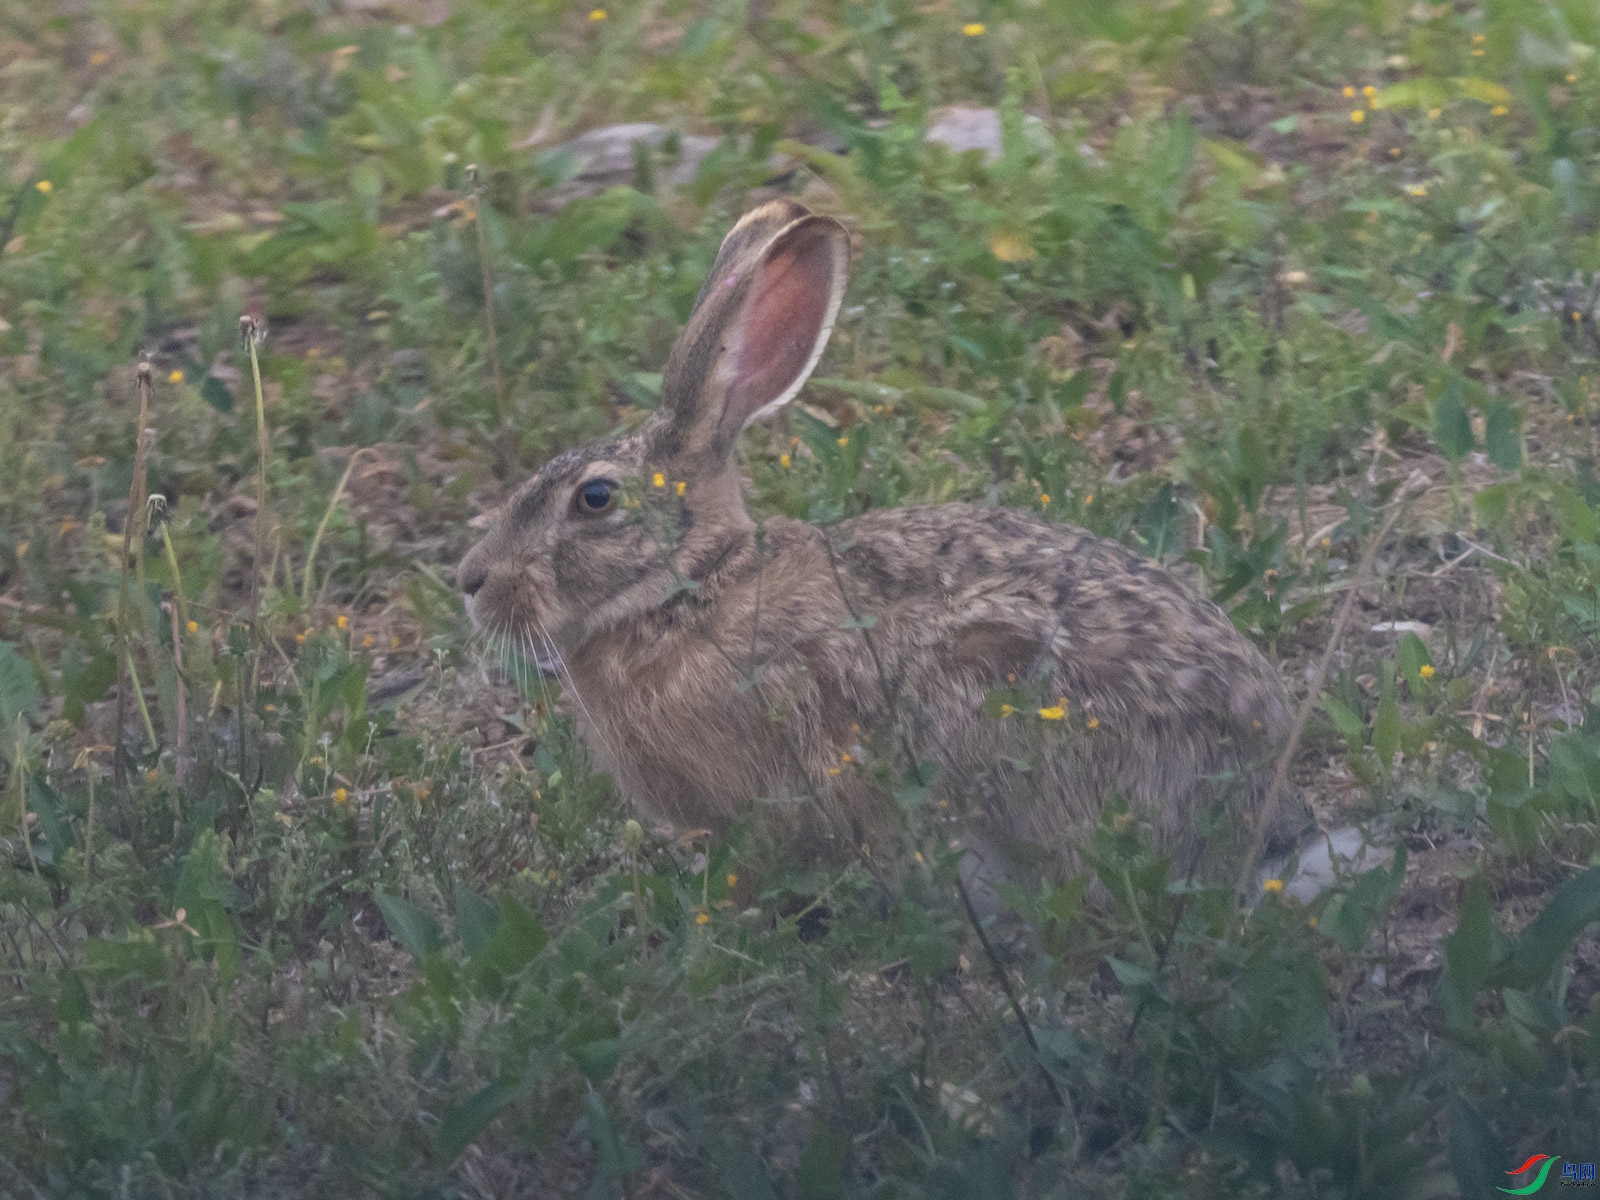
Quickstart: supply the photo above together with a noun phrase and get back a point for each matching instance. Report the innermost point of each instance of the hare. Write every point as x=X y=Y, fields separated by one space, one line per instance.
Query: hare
x=723 y=668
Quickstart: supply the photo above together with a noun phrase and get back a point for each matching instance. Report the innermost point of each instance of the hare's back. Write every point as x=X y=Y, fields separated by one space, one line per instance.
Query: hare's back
x=1002 y=589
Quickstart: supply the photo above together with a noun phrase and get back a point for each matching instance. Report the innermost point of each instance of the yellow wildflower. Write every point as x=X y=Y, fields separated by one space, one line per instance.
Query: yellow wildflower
x=598 y=14
x=844 y=441
x=683 y=486
x=366 y=642
x=1272 y=885
x=1088 y=500
x=175 y=376
x=783 y=460
x=1055 y=712
x=974 y=29
x=1044 y=497
x=658 y=479
x=1477 y=39
x=701 y=918
x=1369 y=91
x=1357 y=117
x=1006 y=710
x=343 y=622
x=1349 y=92
x=1094 y=723
x=1416 y=189
x=733 y=879
x=45 y=186
x=1426 y=670
x=194 y=626
x=340 y=795
x=1499 y=110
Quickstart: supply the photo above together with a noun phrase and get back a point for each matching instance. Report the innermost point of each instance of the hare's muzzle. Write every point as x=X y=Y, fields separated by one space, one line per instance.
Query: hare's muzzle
x=472 y=577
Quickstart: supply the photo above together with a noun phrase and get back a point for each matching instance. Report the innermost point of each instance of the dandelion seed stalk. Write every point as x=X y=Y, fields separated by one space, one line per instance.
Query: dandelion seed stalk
x=252 y=332
x=132 y=545
x=488 y=313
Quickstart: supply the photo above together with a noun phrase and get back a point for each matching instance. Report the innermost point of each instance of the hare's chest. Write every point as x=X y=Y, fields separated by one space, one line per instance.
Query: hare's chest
x=687 y=739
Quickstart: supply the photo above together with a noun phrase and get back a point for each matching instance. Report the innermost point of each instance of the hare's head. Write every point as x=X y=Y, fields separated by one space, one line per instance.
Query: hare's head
x=611 y=531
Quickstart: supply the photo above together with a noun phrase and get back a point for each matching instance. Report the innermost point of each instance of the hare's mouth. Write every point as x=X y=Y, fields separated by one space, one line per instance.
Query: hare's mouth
x=521 y=648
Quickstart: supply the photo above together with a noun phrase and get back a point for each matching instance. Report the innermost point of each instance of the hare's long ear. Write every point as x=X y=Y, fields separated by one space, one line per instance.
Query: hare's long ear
x=758 y=327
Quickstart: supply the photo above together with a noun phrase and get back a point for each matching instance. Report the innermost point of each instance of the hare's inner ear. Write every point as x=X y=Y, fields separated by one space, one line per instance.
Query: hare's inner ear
x=759 y=327
x=784 y=323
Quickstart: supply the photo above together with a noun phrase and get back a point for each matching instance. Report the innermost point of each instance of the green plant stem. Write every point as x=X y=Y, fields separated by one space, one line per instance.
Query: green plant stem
x=88 y=832
x=252 y=340
x=177 y=576
x=138 y=695
x=322 y=525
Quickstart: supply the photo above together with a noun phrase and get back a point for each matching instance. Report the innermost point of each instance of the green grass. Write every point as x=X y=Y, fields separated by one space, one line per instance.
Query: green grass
x=1193 y=305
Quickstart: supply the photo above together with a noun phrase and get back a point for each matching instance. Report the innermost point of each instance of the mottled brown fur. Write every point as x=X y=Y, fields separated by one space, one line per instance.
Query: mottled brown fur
x=723 y=668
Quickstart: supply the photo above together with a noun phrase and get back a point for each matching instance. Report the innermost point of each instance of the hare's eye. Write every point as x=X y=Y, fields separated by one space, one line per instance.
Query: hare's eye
x=597 y=496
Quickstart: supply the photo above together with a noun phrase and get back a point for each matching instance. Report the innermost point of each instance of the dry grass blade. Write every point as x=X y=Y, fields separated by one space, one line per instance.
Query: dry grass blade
x=1414 y=485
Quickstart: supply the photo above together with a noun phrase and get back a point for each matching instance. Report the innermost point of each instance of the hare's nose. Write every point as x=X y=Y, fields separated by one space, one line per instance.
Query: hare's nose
x=471 y=577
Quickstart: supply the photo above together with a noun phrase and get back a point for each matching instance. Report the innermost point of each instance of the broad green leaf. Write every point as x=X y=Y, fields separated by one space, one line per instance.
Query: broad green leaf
x=1579 y=520
x=821 y=1169
x=1492 y=503
x=414 y=929
x=1470 y=953
x=476 y=920
x=1346 y=720
x=1540 y=946
x=461 y=1125
x=57 y=832
x=518 y=938
x=215 y=393
x=1413 y=93
x=1386 y=721
x=19 y=694
x=204 y=891
x=1575 y=766
x=1413 y=654
x=72 y=1002
x=1502 y=436
x=1451 y=428
x=741 y=1169
x=1482 y=89
x=1476 y=1155
x=83 y=681
x=1350 y=921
